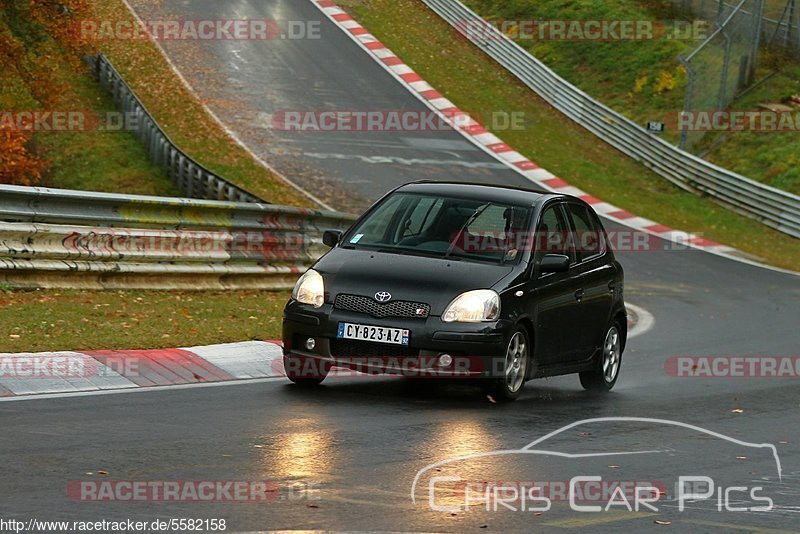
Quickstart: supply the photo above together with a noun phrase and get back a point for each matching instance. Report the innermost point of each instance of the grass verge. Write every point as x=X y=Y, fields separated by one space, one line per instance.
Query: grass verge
x=478 y=85
x=52 y=320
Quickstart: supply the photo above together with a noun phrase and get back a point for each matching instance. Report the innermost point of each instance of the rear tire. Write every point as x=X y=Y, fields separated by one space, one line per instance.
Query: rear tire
x=305 y=371
x=608 y=363
x=515 y=368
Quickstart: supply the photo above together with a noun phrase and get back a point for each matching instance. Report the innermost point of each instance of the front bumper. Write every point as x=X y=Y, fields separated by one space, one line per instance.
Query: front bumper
x=477 y=349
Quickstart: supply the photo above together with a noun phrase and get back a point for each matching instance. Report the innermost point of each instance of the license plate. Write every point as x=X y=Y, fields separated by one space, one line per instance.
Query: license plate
x=379 y=334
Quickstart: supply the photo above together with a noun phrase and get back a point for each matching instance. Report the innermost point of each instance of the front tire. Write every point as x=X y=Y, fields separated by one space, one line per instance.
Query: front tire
x=304 y=371
x=606 y=371
x=515 y=368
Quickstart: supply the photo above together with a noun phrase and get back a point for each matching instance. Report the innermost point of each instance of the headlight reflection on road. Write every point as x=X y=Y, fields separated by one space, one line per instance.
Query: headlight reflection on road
x=457 y=438
x=303 y=455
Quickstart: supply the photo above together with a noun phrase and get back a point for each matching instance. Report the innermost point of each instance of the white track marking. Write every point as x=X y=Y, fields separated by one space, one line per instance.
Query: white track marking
x=252 y=359
x=644 y=321
x=140 y=390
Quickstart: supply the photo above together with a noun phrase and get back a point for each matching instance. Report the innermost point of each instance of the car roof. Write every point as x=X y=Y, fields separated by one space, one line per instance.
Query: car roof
x=493 y=193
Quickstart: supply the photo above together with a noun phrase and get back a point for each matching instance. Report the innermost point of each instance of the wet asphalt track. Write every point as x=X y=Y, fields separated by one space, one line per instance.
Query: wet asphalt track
x=358 y=443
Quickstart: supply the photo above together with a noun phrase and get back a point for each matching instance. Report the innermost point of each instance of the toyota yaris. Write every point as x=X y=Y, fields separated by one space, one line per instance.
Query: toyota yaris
x=438 y=279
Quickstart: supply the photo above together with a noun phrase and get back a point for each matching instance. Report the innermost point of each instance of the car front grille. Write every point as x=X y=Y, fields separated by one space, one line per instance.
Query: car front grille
x=346 y=348
x=397 y=308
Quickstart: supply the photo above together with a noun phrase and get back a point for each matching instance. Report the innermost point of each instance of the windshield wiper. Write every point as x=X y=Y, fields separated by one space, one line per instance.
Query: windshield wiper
x=410 y=252
x=391 y=250
x=471 y=219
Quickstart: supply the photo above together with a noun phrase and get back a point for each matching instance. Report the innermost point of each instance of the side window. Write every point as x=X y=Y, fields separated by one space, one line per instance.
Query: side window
x=552 y=234
x=587 y=236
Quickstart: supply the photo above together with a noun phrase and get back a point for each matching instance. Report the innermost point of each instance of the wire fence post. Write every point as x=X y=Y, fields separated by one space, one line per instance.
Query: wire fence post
x=687 y=100
x=721 y=99
x=758 y=21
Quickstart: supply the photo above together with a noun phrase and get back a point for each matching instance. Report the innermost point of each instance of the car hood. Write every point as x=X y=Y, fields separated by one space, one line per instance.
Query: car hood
x=433 y=281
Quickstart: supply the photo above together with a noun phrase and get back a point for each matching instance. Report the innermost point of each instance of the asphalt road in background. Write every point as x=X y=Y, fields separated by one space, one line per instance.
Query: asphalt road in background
x=249 y=83
x=345 y=456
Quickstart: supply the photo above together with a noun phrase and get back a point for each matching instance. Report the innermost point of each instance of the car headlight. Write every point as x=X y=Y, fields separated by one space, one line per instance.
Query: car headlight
x=310 y=289
x=473 y=307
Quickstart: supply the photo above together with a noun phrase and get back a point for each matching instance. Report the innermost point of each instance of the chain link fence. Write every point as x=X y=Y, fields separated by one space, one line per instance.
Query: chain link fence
x=725 y=63
x=781 y=24
x=780 y=19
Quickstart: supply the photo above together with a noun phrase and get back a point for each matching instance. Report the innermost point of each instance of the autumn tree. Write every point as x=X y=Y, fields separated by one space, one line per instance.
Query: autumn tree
x=18 y=165
x=62 y=19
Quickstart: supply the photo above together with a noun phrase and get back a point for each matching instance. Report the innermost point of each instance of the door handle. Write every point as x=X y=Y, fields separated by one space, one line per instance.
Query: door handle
x=579 y=295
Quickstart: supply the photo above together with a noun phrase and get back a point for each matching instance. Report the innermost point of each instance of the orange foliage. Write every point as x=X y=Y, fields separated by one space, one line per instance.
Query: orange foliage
x=62 y=19
x=10 y=51
x=17 y=165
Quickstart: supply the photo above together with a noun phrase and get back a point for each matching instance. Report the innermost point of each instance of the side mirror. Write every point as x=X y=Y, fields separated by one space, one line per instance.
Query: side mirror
x=331 y=237
x=554 y=263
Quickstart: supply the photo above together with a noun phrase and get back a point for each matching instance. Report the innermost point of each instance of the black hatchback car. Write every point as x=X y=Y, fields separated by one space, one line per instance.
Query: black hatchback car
x=463 y=280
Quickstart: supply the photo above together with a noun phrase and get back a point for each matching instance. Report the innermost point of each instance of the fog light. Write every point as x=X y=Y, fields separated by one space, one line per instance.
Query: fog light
x=445 y=360
x=311 y=343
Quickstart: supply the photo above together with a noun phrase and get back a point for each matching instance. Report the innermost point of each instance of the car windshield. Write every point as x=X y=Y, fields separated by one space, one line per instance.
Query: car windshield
x=439 y=226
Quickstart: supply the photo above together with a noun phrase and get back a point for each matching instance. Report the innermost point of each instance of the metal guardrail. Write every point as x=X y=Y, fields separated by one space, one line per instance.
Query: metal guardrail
x=63 y=238
x=190 y=177
x=773 y=207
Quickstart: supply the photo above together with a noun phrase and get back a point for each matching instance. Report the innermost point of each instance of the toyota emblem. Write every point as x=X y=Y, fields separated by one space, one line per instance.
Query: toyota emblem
x=383 y=296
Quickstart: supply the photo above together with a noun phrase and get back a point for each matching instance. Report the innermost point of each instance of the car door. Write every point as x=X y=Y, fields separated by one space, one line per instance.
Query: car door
x=553 y=297
x=597 y=275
